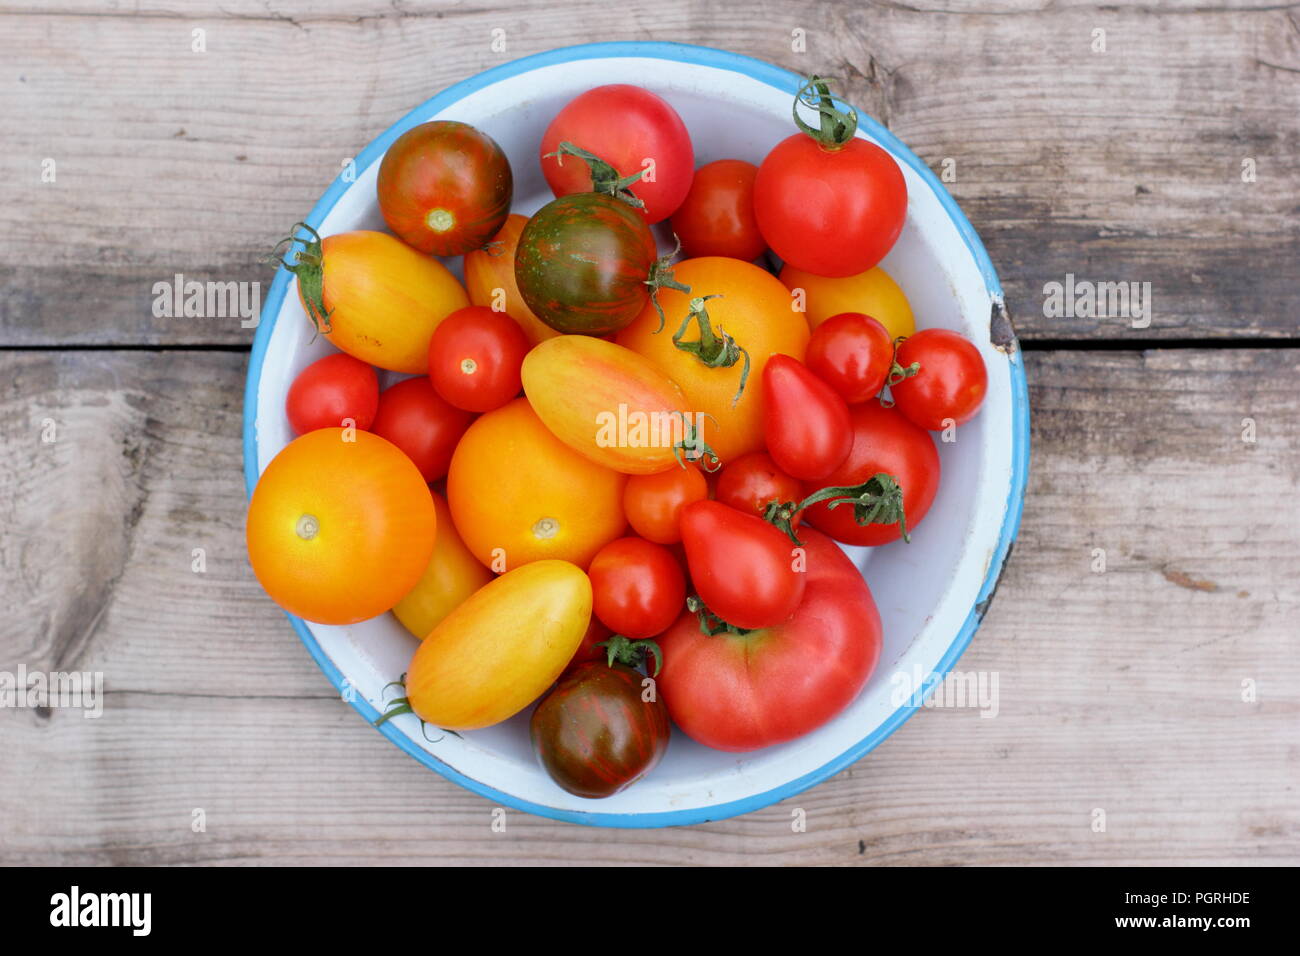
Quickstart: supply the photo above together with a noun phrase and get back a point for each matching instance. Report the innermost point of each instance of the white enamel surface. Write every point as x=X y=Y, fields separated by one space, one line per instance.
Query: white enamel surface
x=925 y=590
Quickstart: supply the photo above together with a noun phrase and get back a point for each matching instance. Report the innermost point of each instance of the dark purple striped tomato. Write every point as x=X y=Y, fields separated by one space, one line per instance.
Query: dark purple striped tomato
x=595 y=734
x=583 y=261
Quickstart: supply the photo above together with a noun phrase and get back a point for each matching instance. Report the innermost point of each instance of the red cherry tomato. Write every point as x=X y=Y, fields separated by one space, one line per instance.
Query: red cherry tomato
x=474 y=358
x=805 y=421
x=331 y=390
x=950 y=385
x=638 y=588
x=827 y=202
x=851 y=353
x=883 y=441
x=632 y=130
x=717 y=216
x=415 y=418
x=588 y=649
x=753 y=481
x=743 y=568
x=654 y=503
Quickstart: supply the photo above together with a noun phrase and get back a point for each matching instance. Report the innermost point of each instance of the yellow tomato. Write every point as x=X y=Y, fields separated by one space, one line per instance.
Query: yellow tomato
x=755 y=310
x=384 y=299
x=340 y=526
x=519 y=494
x=452 y=576
x=872 y=293
x=490 y=280
x=607 y=403
x=500 y=650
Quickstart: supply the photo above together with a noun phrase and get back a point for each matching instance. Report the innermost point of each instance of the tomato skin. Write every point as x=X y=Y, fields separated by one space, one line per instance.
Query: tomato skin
x=717 y=216
x=852 y=353
x=385 y=299
x=872 y=293
x=753 y=481
x=740 y=693
x=588 y=649
x=742 y=567
x=639 y=587
x=474 y=359
x=445 y=187
x=654 y=503
x=502 y=648
x=607 y=403
x=805 y=420
x=519 y=494
x=624 y=125
x=331 y=390
x=452 y=575
x=492 y=268
x=415 y=418
x=951 y=383
x=582 y=264
x=339 y=527
x=883 y=441
x=595 y=735
x=831 y=212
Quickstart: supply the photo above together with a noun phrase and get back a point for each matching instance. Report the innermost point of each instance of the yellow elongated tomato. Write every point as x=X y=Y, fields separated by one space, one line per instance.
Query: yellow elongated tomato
x=872 y=293
x=518 y=494
x=490 y=280
x=452 y=576
x=376 y=298
x=500 y=650
x=340 y=526
x=607 y=403
x=754 y=308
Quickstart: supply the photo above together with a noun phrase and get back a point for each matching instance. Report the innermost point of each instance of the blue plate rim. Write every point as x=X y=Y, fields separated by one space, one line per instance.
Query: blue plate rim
x=786 y=81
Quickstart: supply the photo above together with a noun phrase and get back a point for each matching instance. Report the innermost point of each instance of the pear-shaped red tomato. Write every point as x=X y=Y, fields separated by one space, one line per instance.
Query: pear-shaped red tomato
x=805 y=421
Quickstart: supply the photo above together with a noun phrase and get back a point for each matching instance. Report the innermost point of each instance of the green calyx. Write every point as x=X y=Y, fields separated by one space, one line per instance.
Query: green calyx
x=896 y=373
x=878 y=500
x=402 y=705
x=710 y=624
x=604 y=177
x=836 y=126
x=308 y=265
x=713 y=349
x=661 y=277
x=622 y=650
x=693 y=447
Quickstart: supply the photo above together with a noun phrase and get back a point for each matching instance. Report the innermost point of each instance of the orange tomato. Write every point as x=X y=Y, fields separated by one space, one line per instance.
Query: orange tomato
x=607 y=403
x=490 y=280
x=754 y=309
x=384 y=299
x=340 y=526
x=519 y=494
x=654 y=503
x=500 y=650
x=872 y=293
x=452 y=576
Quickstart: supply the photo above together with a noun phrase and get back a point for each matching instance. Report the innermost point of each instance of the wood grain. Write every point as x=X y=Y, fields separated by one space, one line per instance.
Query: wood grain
x=1123 y=165
x=1119 y=690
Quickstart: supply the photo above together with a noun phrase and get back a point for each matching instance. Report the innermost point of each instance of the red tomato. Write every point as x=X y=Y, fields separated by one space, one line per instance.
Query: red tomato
x=632 y=130
x=474 y=358
x=331 y=390
x=445 y=187
x=745 y=571
x=638 y=587
x=950 y=384
x=415 y=418
x=805 y=421
x=717 y=216
x=883 y=441
x=739 y=692
x=753 y=481
x=851 y=353
x=654 y=503
x=827 y=202
x=587 y=650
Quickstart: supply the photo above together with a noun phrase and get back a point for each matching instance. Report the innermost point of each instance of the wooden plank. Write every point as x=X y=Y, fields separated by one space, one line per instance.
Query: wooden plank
x=1119 y=690
x=1117 y=166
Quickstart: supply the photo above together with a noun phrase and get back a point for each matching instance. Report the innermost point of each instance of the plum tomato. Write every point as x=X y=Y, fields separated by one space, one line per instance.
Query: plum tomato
x=949 y=385
x=717 y=217
x=474 y=358
x=654 y=503
x=805 y=421
x=330 y=391
x=852 y=353
x=638 y=587
x=415 y=418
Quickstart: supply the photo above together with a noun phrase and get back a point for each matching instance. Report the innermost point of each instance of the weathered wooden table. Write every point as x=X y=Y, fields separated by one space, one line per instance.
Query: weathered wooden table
x=1149 y=143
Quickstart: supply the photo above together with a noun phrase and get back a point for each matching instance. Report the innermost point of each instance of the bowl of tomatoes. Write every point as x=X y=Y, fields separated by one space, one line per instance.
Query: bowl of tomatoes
x=634 y=432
